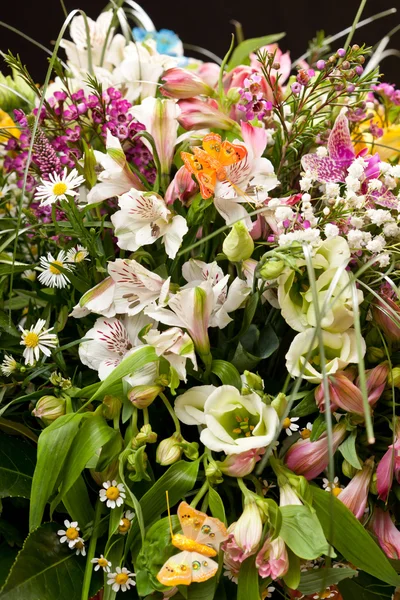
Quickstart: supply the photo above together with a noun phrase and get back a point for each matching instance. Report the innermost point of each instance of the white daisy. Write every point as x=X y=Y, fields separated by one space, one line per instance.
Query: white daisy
x=289 y=425
x=266 y=486
x=80 y=547
x=121 y=580
x=8 y=365
x=101 y=563
x=70 y=534
x=58 y=187
x=29 y=274
x=4 y=191
x=77 y=255
x=267 y=593
x=306 y=432
x=126 y=522
x=113 y=494
x=36 y=340
x=333 y=487
x=50 y=275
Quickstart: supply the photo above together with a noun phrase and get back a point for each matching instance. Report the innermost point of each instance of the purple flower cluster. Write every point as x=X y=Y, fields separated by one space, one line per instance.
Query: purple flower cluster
x=253 y=102
x=388 y=90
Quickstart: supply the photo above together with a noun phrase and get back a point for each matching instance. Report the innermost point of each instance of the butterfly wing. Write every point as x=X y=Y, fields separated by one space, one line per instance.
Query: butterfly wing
x=232 y=153
x=222 y=154
x=203 y=568
x=212 y=533
x=177 y=570
x=200 y=167
x=191 y=520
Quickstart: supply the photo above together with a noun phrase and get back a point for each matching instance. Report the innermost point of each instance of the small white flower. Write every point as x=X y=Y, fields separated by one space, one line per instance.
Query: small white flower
x=58 y=187
x=333 y=486
x=70 y=534
x=322 y=151
x=267 y=593
x=101 y=563
x=356 y=169
x=305 y=183
x=8 y=365
x=391 y=230
x=377 y=244
x=374 y=184
x=113 y=494
x=267 y=486
x=331 y=230
x=4 y=191
x=126 y=522
x=36 y=340
x=29 y=274
x=121 y=579
x=379 y=216
x=332 y=190
x=357 y=222
x=306 y=431
x=79 y=547
x=290 y=425
x=50 y=275
x=77 y=255
x=383 y=260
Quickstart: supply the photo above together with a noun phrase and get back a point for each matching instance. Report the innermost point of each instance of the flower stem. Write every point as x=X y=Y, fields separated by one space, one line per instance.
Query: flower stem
x=171 y=412
x=199 y=494
x=91 y=552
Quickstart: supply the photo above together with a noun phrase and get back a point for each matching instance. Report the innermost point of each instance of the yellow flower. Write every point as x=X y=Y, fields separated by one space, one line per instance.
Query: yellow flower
x=6 y=122
x=387 y=146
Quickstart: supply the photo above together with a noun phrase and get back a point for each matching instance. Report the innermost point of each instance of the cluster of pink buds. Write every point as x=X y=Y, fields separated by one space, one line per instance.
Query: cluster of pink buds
x=253 y=103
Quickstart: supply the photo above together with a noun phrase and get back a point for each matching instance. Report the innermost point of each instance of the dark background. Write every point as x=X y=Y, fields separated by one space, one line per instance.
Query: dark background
x=207 y=23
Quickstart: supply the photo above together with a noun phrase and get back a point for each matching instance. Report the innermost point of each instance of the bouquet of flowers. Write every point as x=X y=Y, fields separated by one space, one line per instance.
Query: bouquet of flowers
x=200 y=319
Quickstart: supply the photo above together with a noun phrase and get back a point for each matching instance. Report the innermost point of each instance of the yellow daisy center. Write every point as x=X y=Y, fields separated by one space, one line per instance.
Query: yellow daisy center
x=53 y=270
x=336 y=491
x=59 y=188
x=305 y=434
x=102 y=562
x=112 y=493
x=126 y=524
x=72 y=533
x=286 y=423
x=79 y=545
x=121 y=578
x=31 y=339
x=79 y=256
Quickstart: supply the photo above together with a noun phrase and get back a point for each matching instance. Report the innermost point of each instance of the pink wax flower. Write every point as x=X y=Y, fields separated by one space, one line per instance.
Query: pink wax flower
x=387 y=533
x=182 y=83
x=240 y=465
x=311 y=458
x=388 y=467
x=281 y=58
x=272 y=560
x=355 y=494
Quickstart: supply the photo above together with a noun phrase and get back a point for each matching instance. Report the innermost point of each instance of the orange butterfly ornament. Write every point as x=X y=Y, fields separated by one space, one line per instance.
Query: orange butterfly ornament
x=208 y=164
x=200 y=541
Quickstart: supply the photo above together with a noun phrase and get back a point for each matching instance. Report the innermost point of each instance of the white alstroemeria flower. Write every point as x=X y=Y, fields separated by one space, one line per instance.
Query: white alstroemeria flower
x=98 y=300
x=176 y=346
x=135 y=287
x=58 y=187
x=37 y=340
x=249 y=180
x=109 y=341
x=99 y=34
x=196 y=271
x=50 y=275
x=143 y=218
x=117 y=178
x=121 y=579
x=160 y=117
x=113 y=494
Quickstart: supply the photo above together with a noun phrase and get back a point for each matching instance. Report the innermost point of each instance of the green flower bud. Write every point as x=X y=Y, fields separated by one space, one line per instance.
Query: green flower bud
x=272 y=268
x=373 y=488
x=108 y=474
x=233 y=95
x=238 y=245
x=280 y=403
x=49 y=408
x=253 y=381
x=169 y=450
x=145 y=436
x=142 y=396
x=375 y=354
x=190 y=450
x=213 y=473
x=348 y=470
x=111 y=407
x=394 y=377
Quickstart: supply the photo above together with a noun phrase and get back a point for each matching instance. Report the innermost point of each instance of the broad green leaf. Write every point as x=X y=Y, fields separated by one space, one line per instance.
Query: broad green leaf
x=254 y=346
x=110 y=450
x=78 y=504
x=7 y=326
x=248 y=314
x=349 y=452
x=227 y=373
x=54 y=444
x=292 y=577
x=248 y=581
x=46 y=569
x=318 y=428
x=365 y=587
x=17 y=464
x=7 y=558
x=13 y=427
x=306 y=407
x=315 y=580
x=216 y=505
x=302 y=532
x=128 y=366
x=131 y=499
x=350 y=538
x=240 y=55
x=202 y=591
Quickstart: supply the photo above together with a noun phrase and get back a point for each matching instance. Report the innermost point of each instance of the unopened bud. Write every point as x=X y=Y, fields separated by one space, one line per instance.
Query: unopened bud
x=238 y=245
x=142 y=396
x=233 y=95
x=169 y=450
x=373 y=487
x=276 y=65
x=375 y=354
x=108 y=474
x=272 y=268
x=394 y=377
x=190 y=449
x=213 y=473
x=280 y=404
x=111 y=407
x=145 y=436
x=252 y=381
x=49 y=408
x=348 y=470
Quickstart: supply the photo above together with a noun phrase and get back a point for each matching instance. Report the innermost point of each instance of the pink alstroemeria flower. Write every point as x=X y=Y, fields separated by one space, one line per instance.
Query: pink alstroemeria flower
x=240 y=465
x=387 y=533
x=182 y=187
x=311 y=458
x=387 y=315
x=198 y=114
x=273 y=560
x=355 y=494
x=182 y=84
x=389 y=467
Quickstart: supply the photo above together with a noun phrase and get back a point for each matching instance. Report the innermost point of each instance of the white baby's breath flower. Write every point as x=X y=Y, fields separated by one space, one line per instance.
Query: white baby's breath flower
x=70 y=534
x=331 y=230
x=58 y=187
x=101 y=563
x=8 y=365
x=121 y=579
x=383 y=260
x=50 y=275
x=377 y=244
x=113 y=494
x=36 y=340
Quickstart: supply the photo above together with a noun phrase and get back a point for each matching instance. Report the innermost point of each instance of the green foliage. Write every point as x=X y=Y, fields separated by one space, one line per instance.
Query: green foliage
x=240 y=55
x=17 y=464
x=302 y=532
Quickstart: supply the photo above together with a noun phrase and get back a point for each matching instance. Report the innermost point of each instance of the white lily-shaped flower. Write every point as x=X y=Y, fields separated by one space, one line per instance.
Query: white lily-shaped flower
x=110 y=341
x=247 y=181
x=117 y=178
x=143 y=218
x=176 y=346
x=160 y=117
x=99 y=300
x=135 y=286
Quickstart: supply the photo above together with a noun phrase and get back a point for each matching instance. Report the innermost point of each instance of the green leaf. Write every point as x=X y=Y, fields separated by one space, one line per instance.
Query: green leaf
x=128 y=366
x=227 y=373
x=318 y=428
x=365 y=587
x=254 y=346
x=306 y=407
x=78 y=504
x=131 y=499
x=292 y=577
x=240 y=55
x=17 y=464
x=46 y=569
x=248 y=581
x=202 y=591
x=248 y=314
x=302 y=532
x=14 y=428
x=7 y=558
x=350 y=538
x=216 y=505
x=7 y=326
x=315 y=580
x=53 y=447
x=349 y=452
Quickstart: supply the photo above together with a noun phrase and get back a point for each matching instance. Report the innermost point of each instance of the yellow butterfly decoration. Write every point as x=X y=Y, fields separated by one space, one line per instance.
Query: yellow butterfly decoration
x=200 y=541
